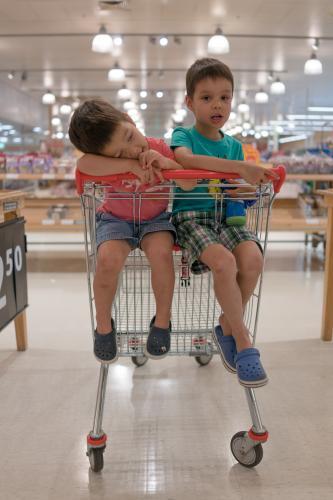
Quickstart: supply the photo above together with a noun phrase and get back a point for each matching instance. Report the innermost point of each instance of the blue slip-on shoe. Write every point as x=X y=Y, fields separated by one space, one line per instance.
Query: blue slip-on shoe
x=226 y=346
x=249 y=368
x=105 y=346
x=158 y=341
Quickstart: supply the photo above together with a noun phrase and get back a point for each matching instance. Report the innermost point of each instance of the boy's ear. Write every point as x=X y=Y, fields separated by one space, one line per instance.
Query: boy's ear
x=188 y=102
x=128 y=119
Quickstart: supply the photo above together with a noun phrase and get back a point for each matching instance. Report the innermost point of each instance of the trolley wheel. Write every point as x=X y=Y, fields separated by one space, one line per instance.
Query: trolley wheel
x=204 y=360
x=250 y=459
x=96 y=459
x=139 y=360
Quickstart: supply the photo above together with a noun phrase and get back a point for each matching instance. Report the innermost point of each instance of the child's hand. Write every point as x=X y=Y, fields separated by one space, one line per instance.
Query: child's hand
x=153 y=158
x=254 y=174
x=143 y=175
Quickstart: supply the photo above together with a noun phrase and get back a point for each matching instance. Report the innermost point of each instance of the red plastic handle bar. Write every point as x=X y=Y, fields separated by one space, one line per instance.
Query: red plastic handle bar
x=172 y=174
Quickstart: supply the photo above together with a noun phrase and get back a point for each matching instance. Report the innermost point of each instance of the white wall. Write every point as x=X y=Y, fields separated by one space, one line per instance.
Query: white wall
x=20 y=107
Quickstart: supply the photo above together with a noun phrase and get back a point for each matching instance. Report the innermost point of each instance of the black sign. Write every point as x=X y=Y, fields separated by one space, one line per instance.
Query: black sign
x=13 y=270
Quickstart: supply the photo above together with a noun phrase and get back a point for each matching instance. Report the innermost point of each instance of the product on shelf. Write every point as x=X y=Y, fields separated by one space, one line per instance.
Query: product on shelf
x=305 y=164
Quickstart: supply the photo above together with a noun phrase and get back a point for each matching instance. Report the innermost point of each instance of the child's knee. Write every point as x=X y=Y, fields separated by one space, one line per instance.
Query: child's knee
x=109 y=264
x=226 y=264
x=251 y=263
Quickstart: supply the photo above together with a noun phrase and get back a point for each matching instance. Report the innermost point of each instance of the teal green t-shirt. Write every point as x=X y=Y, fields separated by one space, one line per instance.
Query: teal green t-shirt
x=227 y=147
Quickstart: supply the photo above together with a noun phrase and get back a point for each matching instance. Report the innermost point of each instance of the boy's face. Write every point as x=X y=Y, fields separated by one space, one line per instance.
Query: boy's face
x=211 y=102
x=127 y=142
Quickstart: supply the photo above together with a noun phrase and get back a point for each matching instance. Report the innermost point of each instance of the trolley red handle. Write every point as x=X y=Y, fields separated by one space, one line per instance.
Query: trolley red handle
x=173 y=174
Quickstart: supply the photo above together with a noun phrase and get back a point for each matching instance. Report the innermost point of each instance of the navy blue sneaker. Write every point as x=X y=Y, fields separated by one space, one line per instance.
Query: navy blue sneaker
x=105 y=346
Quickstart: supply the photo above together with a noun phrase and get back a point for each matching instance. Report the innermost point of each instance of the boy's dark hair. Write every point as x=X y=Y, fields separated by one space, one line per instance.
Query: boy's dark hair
x=92 y=125
x=206 y=67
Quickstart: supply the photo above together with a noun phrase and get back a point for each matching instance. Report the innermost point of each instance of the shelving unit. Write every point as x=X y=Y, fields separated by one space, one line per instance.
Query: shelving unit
x=64 y=213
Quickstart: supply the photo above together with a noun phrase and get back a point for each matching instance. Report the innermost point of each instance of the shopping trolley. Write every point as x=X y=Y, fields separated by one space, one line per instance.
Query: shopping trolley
x=195 y=310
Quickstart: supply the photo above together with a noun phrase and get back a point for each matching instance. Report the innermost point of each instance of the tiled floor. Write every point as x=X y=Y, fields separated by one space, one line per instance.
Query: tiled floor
x=170 y=422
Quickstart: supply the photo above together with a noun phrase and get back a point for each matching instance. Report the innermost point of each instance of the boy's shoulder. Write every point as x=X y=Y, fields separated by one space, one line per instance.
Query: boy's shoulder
x=160 y=146
x=229 y=139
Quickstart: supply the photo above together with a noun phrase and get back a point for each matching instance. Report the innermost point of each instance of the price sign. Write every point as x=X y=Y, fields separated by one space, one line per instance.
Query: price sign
x=13 y=270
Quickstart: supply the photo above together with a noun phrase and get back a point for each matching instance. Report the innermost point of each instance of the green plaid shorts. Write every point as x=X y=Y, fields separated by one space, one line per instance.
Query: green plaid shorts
x=197 y=230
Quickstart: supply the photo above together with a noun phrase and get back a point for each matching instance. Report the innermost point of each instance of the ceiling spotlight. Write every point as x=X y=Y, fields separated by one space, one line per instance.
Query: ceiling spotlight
x=159 y=94
x=313 y=66
x=163 y=41
x=152 y=40
x=65 y=109
x=143 y=106
x=118 y=41
x=102 y=42
x=278 y=87
x=261 y=97
x=243 y=107
x=48 y=98
x=11 y=75
x=24 y=76
x=232 y=115
x=116 y=73
x=218 y=44
x=124 y=93
x=315 y=45
x=177 y=40
x=143 y=93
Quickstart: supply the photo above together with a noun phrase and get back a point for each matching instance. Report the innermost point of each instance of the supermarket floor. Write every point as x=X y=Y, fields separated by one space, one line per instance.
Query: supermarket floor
x=169 y=422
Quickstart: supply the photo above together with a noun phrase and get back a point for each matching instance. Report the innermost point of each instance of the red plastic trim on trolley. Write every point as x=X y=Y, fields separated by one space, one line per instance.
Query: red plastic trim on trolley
x=81 y=178
x=262 y=438
x=97 y=441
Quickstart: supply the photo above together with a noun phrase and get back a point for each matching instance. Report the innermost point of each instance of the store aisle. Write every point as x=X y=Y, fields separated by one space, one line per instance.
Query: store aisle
x=169 y=425
x=169 y=422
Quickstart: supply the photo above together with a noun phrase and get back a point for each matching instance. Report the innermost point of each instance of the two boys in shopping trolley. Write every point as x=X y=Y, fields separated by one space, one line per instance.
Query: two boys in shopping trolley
x=113 y=145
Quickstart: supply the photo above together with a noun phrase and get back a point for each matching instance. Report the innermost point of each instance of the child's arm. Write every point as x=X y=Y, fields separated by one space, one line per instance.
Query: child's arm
x=105 y=165
x=154 y=159
x=254 y=174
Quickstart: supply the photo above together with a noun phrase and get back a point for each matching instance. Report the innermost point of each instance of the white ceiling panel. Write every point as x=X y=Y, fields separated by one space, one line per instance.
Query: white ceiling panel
x=68 y=63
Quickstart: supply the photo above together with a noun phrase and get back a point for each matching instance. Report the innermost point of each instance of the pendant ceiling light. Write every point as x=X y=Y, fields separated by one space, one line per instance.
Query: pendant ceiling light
x=243 y=107
x=48 y=98
x=313 y=66
x=124 y=93
x=116 y=73
x=218 y=44
x=261 y=97
x=102 y=42
x=278 y=87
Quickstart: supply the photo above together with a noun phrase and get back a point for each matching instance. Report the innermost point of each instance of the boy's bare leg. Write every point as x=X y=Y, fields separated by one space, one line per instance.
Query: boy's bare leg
x=158 y=249
x=111 y=257
x=249 y=260
x=224 y=269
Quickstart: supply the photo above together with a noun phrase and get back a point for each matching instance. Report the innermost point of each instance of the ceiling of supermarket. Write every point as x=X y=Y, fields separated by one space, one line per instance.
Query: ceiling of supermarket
x=47 y=44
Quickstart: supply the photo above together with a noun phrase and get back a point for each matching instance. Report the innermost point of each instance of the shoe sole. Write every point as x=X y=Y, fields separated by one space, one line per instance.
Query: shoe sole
x=253 y=385
x=224 y=361
x=106 y=362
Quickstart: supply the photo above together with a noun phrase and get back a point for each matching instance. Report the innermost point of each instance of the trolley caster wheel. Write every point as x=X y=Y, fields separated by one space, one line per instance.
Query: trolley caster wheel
x=139 y=360
x=250 y=458
x=96 y=459
x=204 y=360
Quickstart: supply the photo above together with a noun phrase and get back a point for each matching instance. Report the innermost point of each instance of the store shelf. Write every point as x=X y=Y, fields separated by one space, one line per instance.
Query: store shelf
x=37 y=177
x=310 y=177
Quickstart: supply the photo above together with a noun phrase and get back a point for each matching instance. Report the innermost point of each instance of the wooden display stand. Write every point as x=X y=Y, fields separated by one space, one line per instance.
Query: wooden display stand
x=13 y=282
x=327 y=318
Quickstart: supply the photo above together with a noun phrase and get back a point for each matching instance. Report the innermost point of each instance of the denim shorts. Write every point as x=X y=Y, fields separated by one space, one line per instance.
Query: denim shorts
x=109 y=227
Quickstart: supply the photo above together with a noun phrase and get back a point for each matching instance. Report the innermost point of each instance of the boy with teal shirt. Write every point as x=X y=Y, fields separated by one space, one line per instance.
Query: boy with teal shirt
x=232 y=253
